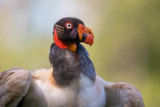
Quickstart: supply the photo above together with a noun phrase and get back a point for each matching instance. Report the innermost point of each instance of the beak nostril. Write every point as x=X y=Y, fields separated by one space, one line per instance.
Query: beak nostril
x=83 y=28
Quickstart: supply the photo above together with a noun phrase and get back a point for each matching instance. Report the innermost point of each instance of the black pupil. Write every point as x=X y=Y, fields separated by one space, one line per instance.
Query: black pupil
x=69 y=25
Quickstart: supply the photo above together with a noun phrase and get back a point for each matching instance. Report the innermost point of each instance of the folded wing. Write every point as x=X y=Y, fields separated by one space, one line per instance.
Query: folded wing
x=14 y=84
x=123 y=95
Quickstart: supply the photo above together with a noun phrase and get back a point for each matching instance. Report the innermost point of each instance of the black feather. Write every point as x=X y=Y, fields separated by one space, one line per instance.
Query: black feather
x=69 y=65
x=65 y=64
x=86 y=64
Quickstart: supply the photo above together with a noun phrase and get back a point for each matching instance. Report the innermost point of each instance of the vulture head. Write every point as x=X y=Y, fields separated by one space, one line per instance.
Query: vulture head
x=67 y=56
x=70 y=31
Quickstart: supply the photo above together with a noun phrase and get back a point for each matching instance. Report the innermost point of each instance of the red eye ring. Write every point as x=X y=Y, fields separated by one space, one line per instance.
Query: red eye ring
x=69 y=25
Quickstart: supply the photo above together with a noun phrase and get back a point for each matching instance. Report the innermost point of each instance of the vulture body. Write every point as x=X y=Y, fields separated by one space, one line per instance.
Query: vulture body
x=72 y=82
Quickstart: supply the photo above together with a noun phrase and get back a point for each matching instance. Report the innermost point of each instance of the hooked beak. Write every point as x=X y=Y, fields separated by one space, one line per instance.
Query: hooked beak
x=85 y=34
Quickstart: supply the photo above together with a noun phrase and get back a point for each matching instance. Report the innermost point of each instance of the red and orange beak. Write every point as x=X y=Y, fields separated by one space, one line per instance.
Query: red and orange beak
x=85 y=34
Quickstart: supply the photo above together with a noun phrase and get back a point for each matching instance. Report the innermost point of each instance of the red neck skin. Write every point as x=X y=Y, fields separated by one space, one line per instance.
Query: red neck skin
x=58 y=42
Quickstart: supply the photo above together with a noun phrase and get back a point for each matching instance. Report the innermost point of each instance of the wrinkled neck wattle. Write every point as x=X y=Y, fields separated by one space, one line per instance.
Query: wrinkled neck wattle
x=58 y=42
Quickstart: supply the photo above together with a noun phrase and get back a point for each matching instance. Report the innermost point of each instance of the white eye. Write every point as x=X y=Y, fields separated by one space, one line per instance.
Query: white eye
x=69 y=25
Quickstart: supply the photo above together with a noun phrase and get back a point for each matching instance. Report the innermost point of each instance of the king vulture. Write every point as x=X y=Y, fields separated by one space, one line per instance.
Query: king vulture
x=72 y=80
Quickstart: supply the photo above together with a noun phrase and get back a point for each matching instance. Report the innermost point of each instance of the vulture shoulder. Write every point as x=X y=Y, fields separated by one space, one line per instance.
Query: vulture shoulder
x=122 y=94
x=14 y=84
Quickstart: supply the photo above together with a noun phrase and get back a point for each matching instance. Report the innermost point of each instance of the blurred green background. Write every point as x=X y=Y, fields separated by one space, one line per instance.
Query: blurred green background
x=127 y=38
